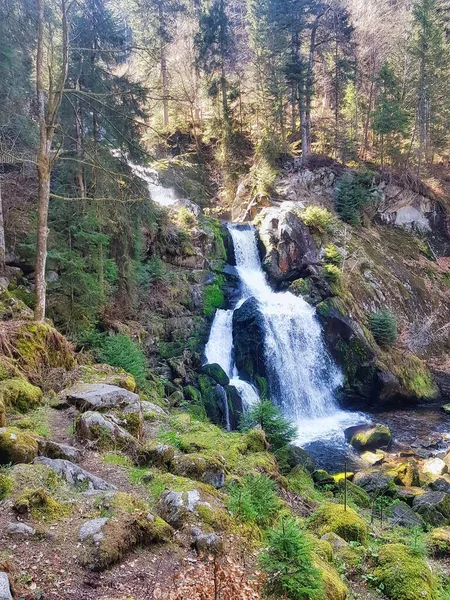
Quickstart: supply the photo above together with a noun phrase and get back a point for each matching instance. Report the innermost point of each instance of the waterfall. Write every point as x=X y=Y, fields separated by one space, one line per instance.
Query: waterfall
x=301 y=375
x=159 y=194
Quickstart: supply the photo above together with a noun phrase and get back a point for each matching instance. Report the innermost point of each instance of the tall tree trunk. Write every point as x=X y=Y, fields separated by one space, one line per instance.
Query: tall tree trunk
x=163 y=61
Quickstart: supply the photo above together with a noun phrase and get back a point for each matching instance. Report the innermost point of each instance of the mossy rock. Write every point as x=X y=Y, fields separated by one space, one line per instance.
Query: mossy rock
x=215 y=372
x=17 y=446
x=256 y=440
x=355 y=494
x=372 y=438
x=404 y=574
x=20 y=395
x=8 y=368
x=438 y=541
x=6 y=485
x=156 y=454
x=2 y=413
x=433 y=507
x=345 y=523
x=40 y=505
x=334 y=587
x=321 y=547
x=208 y=470
x=405 y=474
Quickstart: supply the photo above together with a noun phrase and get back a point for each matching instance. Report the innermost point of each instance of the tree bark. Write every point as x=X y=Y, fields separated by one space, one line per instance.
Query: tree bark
x=163 y=62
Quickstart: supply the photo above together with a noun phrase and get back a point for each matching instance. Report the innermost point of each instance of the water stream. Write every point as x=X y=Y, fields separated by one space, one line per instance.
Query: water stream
x=302 y=376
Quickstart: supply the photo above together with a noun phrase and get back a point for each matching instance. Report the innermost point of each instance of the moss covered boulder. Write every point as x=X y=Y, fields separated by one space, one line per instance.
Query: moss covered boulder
x=17 y=393
x=334 y=587
x=201 y=468
x=40 y=504
x=156 y=454
x=17 y=446
x=371 y=438
x=105 y=431
x=434 y=508
x=345 y=523
x=438 y=541
x=355 y=494
x=404 y=574
x=215 y=372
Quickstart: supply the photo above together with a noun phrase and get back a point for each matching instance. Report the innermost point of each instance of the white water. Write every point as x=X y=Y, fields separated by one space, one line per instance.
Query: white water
x=302 y=377
x=159 y=194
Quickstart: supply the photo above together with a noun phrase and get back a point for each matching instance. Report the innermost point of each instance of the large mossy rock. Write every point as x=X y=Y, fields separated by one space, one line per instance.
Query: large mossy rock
x=375 y=482
x=371 y=438
x=438 y=541
x=105 y=432
x=405 y=575
x=215 y=372
x=214 y=400
x=335 y=519
x=17 y=393
x=434 y=508
x=201 y=468
x=249 y=341
x=17 y=446
x=334 y=587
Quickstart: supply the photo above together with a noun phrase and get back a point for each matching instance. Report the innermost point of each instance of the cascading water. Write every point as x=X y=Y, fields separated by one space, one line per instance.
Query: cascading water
x=302 y=377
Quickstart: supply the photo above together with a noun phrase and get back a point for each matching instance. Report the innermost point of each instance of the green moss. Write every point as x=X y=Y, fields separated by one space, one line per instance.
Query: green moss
x=192 y=394
x=6 y=484
x=438 y=542
x=335 y=588
x=120 y=460
x=39 y=345
x=415 y=378
x=371 y=439
x=40 y=505
x=20 y=395
x=345 y=523
x=213 y=296
x=215 y=519
x=301 y=482
x=404 y=574
x=17 y=446
x=36 y=421
x=317 y=218
x=355 y=494
x=332 y=255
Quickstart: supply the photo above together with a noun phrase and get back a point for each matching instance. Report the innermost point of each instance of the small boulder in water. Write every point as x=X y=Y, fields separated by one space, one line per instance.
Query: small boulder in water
x=434 y=467
x=371 y=438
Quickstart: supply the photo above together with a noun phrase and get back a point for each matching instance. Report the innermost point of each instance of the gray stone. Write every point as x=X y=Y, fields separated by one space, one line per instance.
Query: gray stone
x=434 y=507
x=100 y=396
x=150 y=408
x=334 y=540
x=5 y=590
x=106 y=429
x=20 y=529
x=92 y=529
x=441 y=484
x=434 y=467
x=402 y=514
x=177 y=507
x=53 y=449
x=374 y=482
x=207 y=543
x=74 y=474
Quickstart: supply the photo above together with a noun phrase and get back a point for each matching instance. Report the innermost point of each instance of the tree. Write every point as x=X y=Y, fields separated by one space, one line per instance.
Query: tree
x=49 y=102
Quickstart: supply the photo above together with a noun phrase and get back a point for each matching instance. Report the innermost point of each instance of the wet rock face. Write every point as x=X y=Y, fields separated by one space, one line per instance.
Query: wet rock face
x=290 y=247
x=249 y=340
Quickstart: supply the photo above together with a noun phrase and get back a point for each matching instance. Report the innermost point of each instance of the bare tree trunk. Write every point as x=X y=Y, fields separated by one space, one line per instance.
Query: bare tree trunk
x=2 y=235
x=163 y=62
x=47 y=119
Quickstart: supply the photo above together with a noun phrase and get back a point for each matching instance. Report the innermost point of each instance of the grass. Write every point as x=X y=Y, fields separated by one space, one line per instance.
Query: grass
x=36 y=421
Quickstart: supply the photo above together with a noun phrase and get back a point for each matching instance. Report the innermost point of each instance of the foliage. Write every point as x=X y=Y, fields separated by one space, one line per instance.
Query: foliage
x=254 y=500
x=265 y=414
x=317 y=218
x=383 y=326
x=353 y=193
x=332 y=255
x=287 y=562
x=119 y=350
x=213 y=296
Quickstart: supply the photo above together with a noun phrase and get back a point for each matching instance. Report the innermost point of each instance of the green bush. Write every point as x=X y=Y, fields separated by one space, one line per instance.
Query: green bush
x=288 y=564
x=332 y=273
x=6 y=484
x=119 y=350
x=318 y=218
x=353 y=192
x=332 y=255
x=279 y=430
x=383 y=326
x=254 y=500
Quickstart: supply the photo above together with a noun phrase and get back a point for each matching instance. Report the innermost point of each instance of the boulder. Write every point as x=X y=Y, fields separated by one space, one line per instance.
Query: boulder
x=335 y=519
x=178 y=508
x=5 y=589
x=215 y=372
x=296 y=456
x=375 y=482
x=156 y=454
x=334 y=540
x=290 y=246
x=92 y=529
x=105 y=432
x=100 y=397
x=213 y=397
x=373 y=458
x=314 y=289
x=432 y=468
x=434 y=508
x=201 y=468
x=249 y=341
x=371 y=438
x=438 y=542
x=404 y=574
x=20 y=530
x=441 y=484
x=19 y=394
x=152 y=411
x=403 y=515
x=53 y=449
x=405 y=473
x=74 y=475
x=235 y=406
x=17 y=446
x=207 y=543
x=407 y=494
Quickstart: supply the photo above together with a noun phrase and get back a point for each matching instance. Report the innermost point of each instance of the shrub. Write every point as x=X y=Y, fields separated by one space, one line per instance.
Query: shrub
x=254 y=500
x=121 y=351
x=186 y=218
x=332 y=273
x=6 y=484
x=318 y=218
x=288 y=564
x=333 y=256
x=279 y=430
x=353 y=192
x=383 y=326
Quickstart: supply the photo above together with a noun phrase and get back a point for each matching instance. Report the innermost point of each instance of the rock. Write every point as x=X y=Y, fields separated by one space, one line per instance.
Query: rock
x=216 y=373
x=74 y=474
x=207 y=543
x=200 y=468
x=249 y=341
x=156 y=454
x=405 y=474
x=403 y=515
x=150 y=409
x=372 y=458
x=5 y=590
x=434 y=467
x=374 y=482
x=235 y=406
x=17 y=446
x=345 y=523
x=334 y=540
x=314 y=289
x=53 y=449
x=371 y=438
x=438 y=542
x=92 y=529
x=290 y=246
x=105 y=432
x=355 y=493
x=434 y=507
x=404 y=574
x=296 y=456
x=334 y=587
x=214 y=399
x=407 y=494
x=178 y=507
x=446 y=408
x=97 y=397
x=441 y=484
x=19 y=394
x=175 y=399
x=20 y=529
x=322 y=478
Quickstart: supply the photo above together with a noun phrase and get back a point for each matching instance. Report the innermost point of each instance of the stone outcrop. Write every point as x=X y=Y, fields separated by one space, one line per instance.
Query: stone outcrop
x=249 y=339
x=74 y=475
